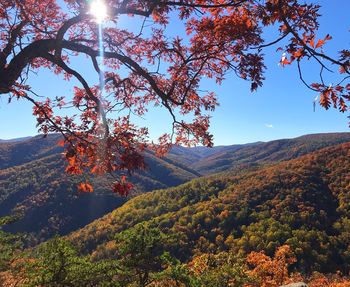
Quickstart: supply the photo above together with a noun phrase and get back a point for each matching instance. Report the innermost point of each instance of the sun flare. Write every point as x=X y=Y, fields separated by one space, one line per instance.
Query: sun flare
x=99 y=10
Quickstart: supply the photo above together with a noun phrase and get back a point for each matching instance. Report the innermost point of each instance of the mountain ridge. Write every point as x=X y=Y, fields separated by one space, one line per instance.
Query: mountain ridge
x=301 y=202
x=32 y=178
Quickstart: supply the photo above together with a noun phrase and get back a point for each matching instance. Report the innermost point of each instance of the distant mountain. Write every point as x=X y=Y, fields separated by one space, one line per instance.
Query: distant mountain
x=32 y=178
x=237 y=157
x=302 y=202
x=15 y=152
x=15 y=139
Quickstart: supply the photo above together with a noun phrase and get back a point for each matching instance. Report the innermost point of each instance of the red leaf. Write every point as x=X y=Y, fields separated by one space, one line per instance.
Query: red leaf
x=320 y=43
x=312 y=43
x=85 y=187
x=328 y=37
x=60 y=143
x=122 y=187
x=324 y=100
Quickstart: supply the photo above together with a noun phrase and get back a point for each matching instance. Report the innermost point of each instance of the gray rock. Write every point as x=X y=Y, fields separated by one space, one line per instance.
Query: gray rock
x=299 y=284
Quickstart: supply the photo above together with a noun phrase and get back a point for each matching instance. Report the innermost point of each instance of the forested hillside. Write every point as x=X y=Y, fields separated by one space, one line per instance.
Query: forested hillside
x=33 y=182
x=235 y=157
x=15 y=153
x=303 y=203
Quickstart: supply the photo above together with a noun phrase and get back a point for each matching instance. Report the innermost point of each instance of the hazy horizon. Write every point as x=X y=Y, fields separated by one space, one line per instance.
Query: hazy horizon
x=215 y=145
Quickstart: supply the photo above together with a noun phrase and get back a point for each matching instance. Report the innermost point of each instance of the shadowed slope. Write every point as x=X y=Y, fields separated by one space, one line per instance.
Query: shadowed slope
x=33 y=182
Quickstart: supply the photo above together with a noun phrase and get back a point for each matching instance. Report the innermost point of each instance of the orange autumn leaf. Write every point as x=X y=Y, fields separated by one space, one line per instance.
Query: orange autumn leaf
x=85 y=187
x=319 y=43
x=60 y=143
x=312 y=43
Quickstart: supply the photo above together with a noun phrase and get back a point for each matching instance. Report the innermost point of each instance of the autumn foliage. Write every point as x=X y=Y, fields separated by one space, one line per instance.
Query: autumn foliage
x=143 y=260
x=271 y=272
x=302 y=203
x=151 y=68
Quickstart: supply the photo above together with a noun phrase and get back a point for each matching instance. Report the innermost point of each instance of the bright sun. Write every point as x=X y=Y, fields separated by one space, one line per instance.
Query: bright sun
x=99 y=10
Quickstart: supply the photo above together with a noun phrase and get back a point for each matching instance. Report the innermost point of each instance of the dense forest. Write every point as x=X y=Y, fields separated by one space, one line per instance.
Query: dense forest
x=227 y=229
x=144 y=258
x=33 y=181
x=123 y=186
x=303 y=203
x=233 y=224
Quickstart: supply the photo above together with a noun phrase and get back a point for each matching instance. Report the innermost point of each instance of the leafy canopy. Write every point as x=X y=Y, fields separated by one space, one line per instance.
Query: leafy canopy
x=222 y=36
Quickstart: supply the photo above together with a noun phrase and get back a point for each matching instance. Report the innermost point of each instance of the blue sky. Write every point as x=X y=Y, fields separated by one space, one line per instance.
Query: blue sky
x=282 y=108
